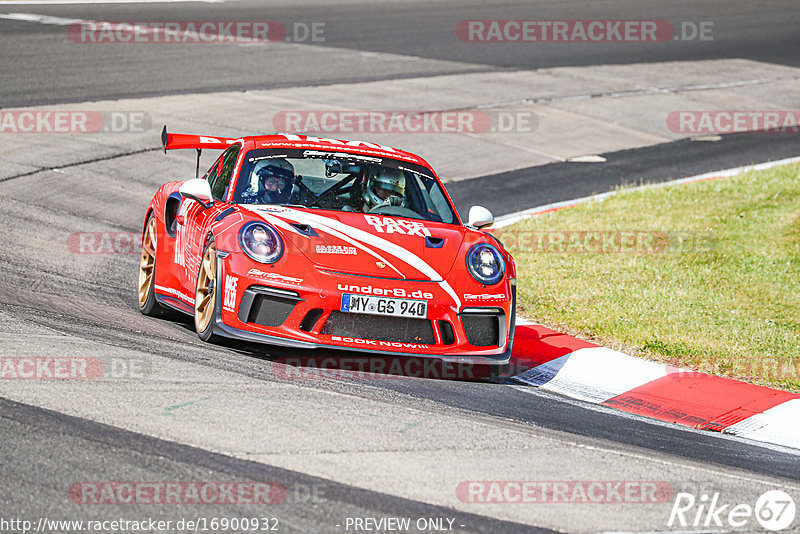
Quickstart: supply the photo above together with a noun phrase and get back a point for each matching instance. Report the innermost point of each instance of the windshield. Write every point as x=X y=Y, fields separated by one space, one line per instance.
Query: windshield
x=343 y=182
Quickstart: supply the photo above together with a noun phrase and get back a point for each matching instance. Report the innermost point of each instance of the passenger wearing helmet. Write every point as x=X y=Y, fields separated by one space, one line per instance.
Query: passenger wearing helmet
x=384 y=187
x=274 y=182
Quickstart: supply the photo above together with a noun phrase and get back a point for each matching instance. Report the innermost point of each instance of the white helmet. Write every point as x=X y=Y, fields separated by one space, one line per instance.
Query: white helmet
x=383 y=183
x=278 y=167
x=275 y=178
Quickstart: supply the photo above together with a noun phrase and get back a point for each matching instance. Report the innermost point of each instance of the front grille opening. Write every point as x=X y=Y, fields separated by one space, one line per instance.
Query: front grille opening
x=310 y=320
x=269 y=310
x=482 y=330
x=379 y=328
x=446 y=331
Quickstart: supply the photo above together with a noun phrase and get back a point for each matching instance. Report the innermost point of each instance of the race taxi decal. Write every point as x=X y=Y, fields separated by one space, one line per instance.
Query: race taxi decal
x=350 y=233
x=229 y=295
x=275 y=277
x=388 y=225
x=336 y=249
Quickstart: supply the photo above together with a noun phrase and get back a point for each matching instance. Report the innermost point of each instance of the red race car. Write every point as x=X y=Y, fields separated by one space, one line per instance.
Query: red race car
x=309 y=242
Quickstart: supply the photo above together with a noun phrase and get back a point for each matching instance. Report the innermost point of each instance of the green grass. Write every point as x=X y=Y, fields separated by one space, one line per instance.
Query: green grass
x=713 y=284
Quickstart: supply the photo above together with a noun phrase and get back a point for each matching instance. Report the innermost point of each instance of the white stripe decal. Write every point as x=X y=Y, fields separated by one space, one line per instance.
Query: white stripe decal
x=340 y=235
x=449 y=289
x=382 y=244
x=379 y=243
x=185 y=298
x=272 y=219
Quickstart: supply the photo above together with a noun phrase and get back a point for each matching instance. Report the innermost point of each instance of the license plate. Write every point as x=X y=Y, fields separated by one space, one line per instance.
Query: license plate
x=373 y=305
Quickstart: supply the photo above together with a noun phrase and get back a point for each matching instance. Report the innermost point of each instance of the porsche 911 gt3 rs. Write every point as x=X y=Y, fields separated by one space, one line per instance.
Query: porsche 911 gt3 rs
x=310 y=242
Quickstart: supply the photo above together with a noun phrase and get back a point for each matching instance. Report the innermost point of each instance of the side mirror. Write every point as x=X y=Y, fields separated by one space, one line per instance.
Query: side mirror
x=199 y=190
x=479 y=217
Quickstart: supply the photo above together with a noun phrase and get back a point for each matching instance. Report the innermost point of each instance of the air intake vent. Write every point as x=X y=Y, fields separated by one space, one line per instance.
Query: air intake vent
x=482 y=330
x=266 y=306
x=310 y=320
x=380 y=328
x=270 y=311
x=446 y=331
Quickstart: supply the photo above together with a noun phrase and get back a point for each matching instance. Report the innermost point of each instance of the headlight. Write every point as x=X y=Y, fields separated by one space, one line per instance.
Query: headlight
x=485 y=264
x=261 y=242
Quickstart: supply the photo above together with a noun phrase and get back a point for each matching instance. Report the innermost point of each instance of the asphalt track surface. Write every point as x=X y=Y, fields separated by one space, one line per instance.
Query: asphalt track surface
x=51 y=437
x=45 y=451
x=41 y=65
x=520 y=189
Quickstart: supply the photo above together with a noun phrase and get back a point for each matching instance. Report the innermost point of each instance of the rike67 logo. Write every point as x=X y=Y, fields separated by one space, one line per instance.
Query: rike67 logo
x=774 y=511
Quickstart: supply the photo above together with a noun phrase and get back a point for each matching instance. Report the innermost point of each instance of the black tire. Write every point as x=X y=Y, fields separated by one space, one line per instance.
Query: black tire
x=148 y=304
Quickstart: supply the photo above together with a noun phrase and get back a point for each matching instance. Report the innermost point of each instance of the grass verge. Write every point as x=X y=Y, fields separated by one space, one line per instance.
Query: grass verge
x=703 y=275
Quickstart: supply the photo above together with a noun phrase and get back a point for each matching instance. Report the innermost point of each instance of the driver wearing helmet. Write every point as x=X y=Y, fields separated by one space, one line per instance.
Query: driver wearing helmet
x=384 y=187
x=274 y=182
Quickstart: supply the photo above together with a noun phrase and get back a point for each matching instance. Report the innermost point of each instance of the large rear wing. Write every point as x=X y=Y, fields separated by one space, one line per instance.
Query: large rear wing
x=173 y=141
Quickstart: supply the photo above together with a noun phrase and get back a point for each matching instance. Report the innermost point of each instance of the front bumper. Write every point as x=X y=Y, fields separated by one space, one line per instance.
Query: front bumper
x=294 y=314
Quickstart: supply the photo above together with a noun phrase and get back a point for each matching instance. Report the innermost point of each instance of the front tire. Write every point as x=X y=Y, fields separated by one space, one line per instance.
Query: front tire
x=147 y=270
x=205 y=295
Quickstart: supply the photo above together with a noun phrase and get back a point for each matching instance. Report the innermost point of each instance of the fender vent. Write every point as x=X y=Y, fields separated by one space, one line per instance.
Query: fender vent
x=304 y=229
x=171 y=212
x=434 y=242
x=224 y=214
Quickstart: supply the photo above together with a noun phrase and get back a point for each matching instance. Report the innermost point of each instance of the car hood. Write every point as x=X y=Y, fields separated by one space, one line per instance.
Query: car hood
x=369 y=245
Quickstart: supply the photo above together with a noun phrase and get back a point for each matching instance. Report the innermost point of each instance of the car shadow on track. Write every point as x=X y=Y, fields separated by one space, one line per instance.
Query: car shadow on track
x=304 y=364
x=289 y=363
x=534 y=346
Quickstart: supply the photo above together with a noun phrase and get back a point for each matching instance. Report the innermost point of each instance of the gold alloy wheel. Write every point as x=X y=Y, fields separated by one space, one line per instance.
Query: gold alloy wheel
x=147 y=262
x=206 y=286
